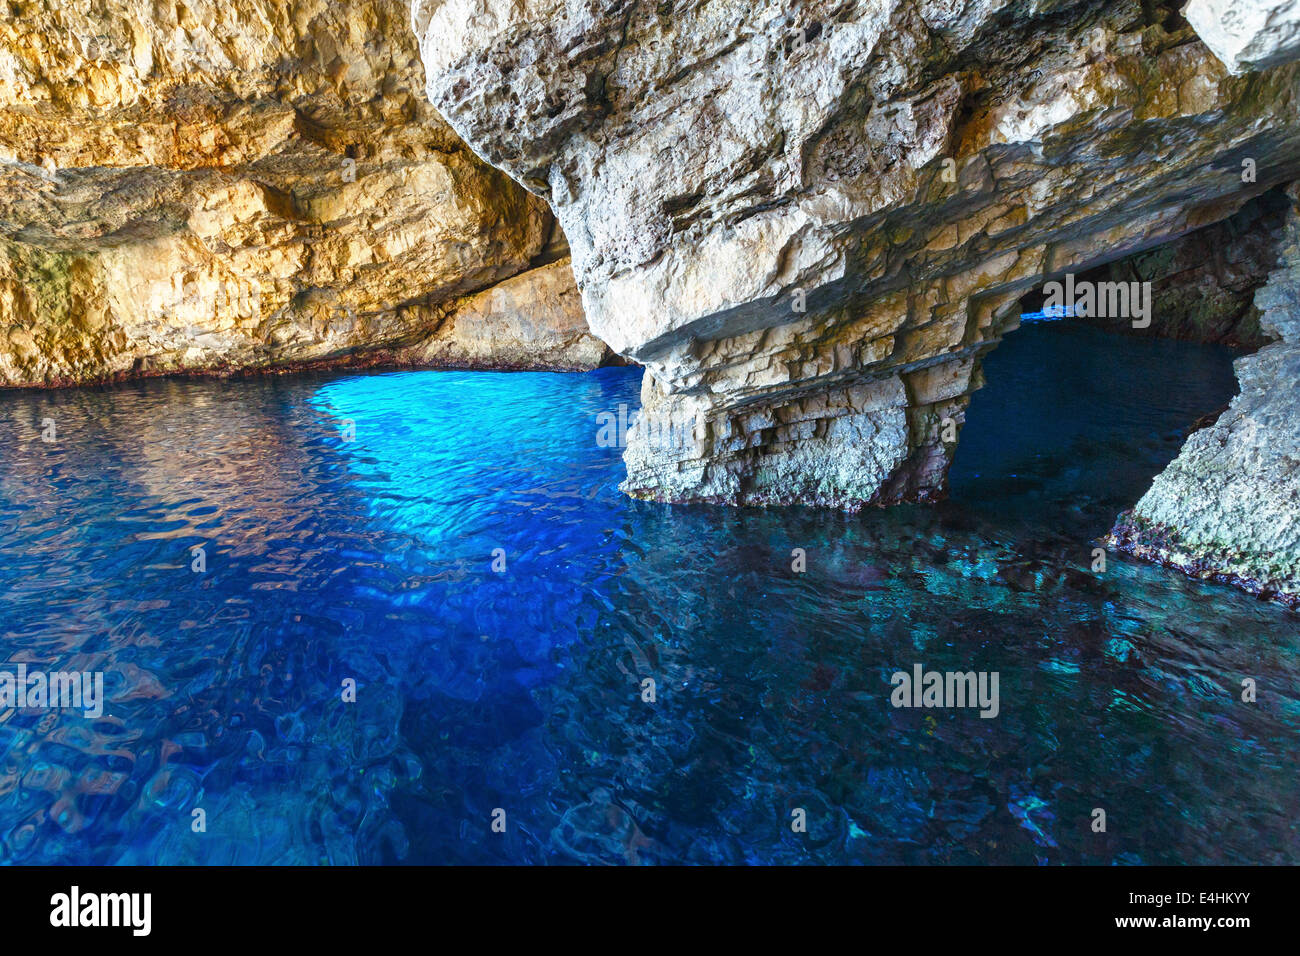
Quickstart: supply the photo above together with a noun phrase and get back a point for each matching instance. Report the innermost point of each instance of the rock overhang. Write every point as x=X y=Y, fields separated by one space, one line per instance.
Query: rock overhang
x=811 y=224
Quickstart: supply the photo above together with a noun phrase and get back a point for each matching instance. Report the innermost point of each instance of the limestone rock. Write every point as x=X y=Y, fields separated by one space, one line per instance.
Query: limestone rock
x=1203 y=284
x=1248 y=34
x=226 y=186
x=1228 y=507
x=810 y=222
x=533 y=320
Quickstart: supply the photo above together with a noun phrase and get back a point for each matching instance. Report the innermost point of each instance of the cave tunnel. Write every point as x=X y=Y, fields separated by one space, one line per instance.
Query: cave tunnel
x=1079 y=414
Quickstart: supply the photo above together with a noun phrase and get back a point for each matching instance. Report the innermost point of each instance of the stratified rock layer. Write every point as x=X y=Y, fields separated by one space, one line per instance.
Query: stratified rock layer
x=227 y=186
x=1228 y=507
x=810 y=223
x=1203 y=284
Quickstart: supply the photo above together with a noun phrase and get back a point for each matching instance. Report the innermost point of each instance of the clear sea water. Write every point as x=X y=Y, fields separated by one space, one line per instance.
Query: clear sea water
x=371 y=560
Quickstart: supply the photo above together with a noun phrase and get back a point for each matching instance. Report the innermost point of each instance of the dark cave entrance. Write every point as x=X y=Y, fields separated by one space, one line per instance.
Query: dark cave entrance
x=1075 y=422
x=1079 y=414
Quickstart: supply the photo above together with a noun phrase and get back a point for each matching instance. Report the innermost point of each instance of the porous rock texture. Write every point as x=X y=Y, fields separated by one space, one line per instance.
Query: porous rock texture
x=810 y=221
x=1228 y=507
x=209 y=186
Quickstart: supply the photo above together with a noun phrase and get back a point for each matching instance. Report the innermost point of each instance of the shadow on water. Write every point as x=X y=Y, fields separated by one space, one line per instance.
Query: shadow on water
x=371 y=560
x=1075 y=422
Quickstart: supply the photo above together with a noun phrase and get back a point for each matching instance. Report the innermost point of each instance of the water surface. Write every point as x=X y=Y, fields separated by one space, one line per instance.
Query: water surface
x=371 y=560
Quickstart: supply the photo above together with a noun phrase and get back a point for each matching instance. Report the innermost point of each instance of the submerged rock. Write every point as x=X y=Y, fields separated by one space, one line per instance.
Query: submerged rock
x=228 y=186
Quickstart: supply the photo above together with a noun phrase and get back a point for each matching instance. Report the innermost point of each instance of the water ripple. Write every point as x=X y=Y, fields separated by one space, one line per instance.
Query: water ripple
x=367 y=560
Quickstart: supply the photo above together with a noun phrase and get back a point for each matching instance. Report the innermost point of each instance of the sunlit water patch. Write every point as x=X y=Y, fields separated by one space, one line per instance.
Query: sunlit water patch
x=455 y=544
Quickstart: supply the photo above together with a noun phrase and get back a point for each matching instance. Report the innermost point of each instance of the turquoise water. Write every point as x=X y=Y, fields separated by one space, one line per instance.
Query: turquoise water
x=372 y=560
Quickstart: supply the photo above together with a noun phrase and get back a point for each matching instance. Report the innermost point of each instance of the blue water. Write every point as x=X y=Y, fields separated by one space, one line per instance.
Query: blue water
x=371 y=560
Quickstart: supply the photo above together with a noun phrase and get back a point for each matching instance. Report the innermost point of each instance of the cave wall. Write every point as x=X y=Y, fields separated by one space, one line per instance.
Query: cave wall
x=1228 y=507
x=253 y=184
x=1247 y=34
x=810 y=224
x=1203 y=284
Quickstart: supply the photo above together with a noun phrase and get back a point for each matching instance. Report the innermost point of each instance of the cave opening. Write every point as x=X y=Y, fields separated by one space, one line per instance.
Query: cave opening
x=1075 y=422
x=1079 y=413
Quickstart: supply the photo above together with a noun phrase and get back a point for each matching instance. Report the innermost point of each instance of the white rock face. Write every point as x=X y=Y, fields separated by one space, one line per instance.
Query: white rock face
x=1248 y=34
x=810 y=221
x=1228 y=507
x=532 y=320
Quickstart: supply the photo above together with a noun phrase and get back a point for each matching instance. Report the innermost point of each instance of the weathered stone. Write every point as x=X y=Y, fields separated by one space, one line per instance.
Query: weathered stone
x=226 y=186
x=1228 y=507
x=1248 y=34
x=799 y=215
x=1203 y=284
x=532 y=320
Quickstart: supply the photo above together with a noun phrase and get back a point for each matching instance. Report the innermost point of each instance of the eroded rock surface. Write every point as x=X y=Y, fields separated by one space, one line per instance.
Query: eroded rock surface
x=1248 y=34
x=1228 y=507
x=228 y=186
x=530 y=321
x=811 y=222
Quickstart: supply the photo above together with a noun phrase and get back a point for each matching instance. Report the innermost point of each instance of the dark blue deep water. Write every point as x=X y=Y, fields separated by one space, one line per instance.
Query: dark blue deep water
x=371 y=560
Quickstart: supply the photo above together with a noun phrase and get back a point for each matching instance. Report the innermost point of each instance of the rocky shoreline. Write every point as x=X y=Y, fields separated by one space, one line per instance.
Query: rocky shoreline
x=1228 y=507
x=1163 y=545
